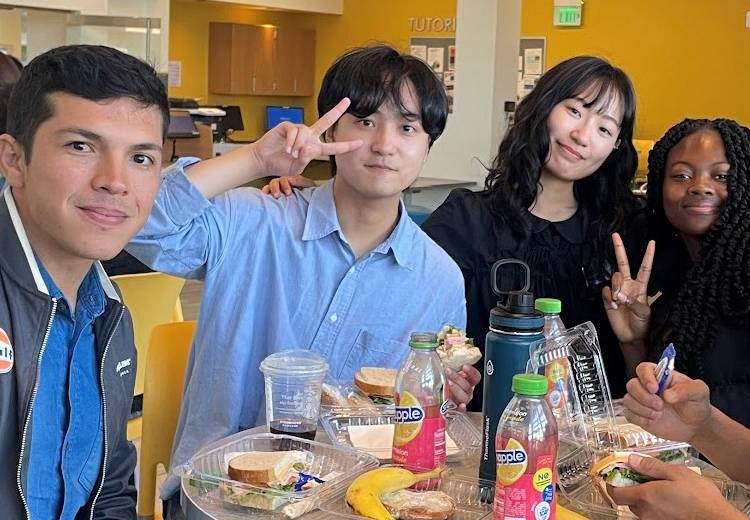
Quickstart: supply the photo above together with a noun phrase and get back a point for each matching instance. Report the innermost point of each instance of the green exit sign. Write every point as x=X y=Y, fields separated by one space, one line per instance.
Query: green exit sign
x=568 y=15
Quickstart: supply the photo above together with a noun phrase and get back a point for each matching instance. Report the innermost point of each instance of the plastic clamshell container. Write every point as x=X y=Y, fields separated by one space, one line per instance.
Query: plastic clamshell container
x=205 y=476
x=358 y=401
x=473 y=499
x=586 y=499
x=458 y=427
x=587 y=421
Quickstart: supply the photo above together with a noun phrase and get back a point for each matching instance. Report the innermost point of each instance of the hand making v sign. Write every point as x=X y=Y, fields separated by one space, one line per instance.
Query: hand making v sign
x=626 y=301
x=288 y=148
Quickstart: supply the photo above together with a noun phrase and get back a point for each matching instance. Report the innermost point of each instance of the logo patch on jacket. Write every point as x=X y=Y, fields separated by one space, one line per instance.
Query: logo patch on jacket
x=122 y=365
x=6 y=353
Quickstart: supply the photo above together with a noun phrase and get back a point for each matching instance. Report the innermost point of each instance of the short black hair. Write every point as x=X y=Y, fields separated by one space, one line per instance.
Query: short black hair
x=92 y=72
x=5 y=91
x=371 y=76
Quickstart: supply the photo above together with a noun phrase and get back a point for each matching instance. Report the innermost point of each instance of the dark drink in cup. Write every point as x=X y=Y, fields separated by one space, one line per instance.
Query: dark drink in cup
x=293 y=383
x=302 y=429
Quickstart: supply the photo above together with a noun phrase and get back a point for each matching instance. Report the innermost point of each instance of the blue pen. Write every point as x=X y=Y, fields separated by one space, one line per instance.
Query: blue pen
x=664 y=368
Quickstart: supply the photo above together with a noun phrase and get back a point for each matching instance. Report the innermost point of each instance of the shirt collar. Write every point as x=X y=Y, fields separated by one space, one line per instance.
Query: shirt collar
x=322 y=220
x=572 y=229
x=90 y=296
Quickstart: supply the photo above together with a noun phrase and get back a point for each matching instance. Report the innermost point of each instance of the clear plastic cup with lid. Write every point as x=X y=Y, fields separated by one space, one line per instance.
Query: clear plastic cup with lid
x=293 y=382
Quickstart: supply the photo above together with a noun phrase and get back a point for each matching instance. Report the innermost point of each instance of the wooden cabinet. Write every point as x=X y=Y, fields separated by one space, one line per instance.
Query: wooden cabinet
x=260 y=61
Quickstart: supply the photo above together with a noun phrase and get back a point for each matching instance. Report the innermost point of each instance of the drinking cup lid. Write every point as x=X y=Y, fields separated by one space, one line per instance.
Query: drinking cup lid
x=294 y=363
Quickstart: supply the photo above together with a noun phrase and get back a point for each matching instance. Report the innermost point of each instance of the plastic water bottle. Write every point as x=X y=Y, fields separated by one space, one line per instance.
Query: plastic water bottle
x=419 y=433
x=514 y=326
x=526 y=446
x=557 y=371
x=551 y=309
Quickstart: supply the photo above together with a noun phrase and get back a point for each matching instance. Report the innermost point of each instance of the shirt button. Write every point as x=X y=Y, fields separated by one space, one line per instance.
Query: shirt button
x=334 y=318
x=352 y=270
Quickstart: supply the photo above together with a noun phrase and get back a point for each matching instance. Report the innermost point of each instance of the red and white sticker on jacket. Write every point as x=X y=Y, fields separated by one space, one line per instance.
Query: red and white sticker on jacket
x=6 y=353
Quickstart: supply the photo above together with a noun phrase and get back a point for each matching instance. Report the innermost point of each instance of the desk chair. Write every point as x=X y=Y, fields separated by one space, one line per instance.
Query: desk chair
x=152 y=298
x=165 y=378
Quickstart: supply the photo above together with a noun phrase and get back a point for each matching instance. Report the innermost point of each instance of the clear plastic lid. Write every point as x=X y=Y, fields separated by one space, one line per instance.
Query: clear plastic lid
x=372 y=432
x=590 y=423
x=585 y=497
x=294 y=363
x=205 y=477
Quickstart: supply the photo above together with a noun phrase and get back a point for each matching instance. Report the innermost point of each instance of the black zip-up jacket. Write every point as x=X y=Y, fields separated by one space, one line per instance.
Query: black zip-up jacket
x=26 y=312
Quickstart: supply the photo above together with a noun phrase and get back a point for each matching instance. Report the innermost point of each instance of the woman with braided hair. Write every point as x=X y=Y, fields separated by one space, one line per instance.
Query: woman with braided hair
x=699 y=202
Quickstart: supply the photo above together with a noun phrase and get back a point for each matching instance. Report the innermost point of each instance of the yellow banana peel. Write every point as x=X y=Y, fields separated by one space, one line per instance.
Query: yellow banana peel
x=365 y=491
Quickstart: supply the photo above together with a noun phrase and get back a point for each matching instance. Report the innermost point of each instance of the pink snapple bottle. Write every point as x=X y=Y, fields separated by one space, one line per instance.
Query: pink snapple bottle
x=526 y=454
x=419 y=435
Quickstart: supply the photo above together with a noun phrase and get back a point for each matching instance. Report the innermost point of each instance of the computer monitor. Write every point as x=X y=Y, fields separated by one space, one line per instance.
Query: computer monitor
x=181 y=124
x=230 y=122
x=276 y=115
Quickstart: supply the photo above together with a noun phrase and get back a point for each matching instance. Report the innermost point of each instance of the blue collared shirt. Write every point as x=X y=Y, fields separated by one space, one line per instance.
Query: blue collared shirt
x=280 y=274
x=67 y=439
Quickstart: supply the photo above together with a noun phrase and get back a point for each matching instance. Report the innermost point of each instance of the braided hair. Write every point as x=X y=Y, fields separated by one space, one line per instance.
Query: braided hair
x=717 y=286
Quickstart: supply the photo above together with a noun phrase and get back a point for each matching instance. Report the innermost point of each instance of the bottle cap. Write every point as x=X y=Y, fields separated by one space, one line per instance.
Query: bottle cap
x=529 y=384
x=548 y=305
x=423 y=340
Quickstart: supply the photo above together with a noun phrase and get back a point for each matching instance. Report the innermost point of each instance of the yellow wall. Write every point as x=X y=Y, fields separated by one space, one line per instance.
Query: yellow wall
x=362 y=21
x=686 y=58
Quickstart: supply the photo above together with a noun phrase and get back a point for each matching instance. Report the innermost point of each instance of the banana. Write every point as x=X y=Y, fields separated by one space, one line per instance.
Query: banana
x=567 y=514
x=364 y=493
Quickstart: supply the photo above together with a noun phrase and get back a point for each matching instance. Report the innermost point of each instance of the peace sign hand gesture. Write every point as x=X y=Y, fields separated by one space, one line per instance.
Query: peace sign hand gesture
x=626 y=301
x=288 y=148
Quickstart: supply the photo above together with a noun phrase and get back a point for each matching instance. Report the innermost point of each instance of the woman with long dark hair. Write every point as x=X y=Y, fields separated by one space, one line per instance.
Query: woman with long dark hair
x=699 y=205
x=558 y=188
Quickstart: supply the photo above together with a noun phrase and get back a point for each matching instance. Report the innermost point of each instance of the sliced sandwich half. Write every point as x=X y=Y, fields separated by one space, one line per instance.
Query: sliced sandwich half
x=378 y=383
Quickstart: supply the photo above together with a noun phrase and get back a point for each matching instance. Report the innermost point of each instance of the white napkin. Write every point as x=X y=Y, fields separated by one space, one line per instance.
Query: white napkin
x=377 y=440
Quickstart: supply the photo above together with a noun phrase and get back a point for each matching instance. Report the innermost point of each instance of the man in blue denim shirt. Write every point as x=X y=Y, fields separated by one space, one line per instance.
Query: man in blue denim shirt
x=82 y=158
x=341 y=269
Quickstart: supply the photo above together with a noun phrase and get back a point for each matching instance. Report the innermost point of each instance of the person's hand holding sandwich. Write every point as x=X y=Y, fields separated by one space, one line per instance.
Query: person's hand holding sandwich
x=683 y=413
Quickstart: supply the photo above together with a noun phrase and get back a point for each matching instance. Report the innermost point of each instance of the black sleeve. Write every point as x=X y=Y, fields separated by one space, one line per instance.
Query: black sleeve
x=118 y=496
x=451 y=228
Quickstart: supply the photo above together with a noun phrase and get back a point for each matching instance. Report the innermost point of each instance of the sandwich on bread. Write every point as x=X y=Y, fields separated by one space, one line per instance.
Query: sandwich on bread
x=272 y=476
x=377 y=383
x=419 y=505
x=614 y=470
x=455 y=349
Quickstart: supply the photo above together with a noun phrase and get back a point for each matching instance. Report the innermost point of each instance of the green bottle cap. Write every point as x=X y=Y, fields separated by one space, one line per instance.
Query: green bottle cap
x=423 y=340
x=529 y=384
x=548 y=305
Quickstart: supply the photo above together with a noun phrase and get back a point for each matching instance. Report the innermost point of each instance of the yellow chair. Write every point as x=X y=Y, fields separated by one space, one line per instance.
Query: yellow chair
x=165 y=378
x=152 y=298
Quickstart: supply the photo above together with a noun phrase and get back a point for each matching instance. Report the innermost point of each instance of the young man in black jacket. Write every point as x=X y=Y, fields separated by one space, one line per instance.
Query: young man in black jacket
x=82 y=158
